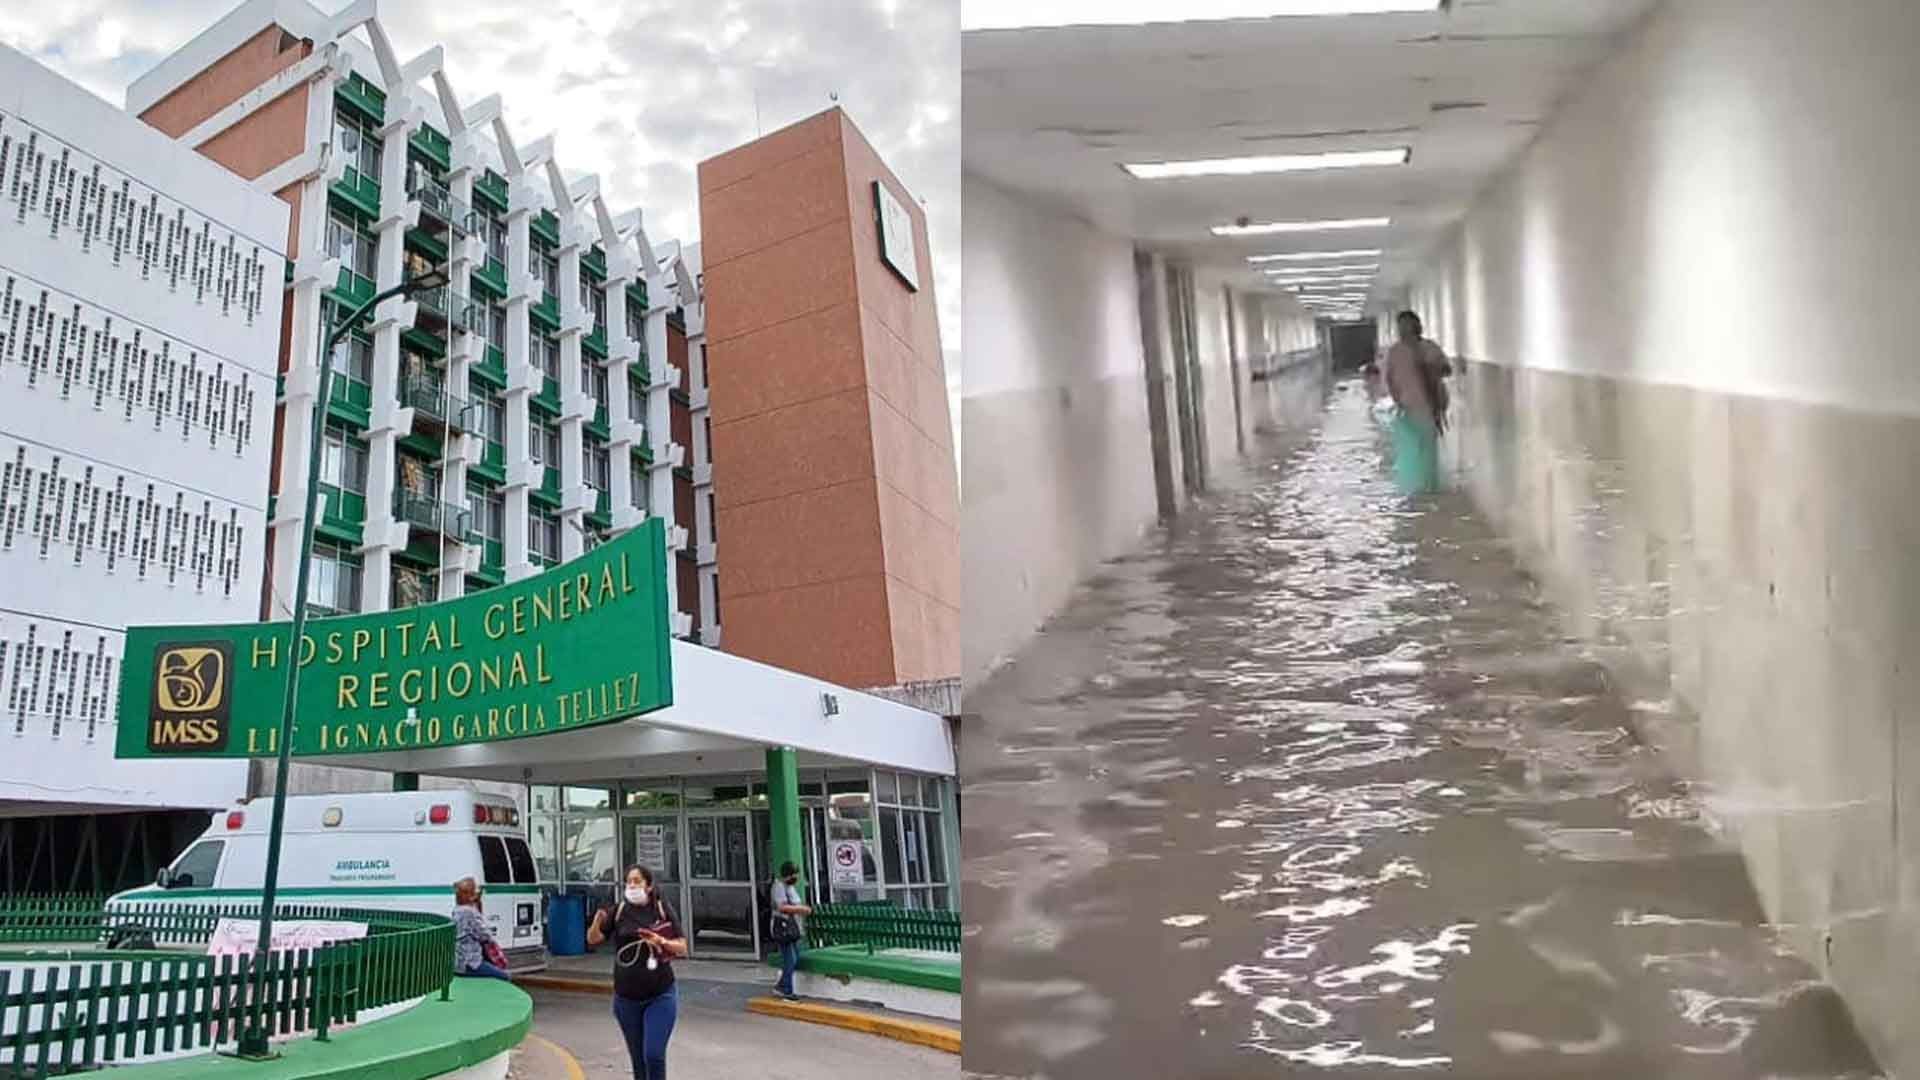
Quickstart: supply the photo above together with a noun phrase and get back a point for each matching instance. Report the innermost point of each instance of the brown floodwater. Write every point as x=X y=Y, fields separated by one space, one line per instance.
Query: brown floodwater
x=1313 y=785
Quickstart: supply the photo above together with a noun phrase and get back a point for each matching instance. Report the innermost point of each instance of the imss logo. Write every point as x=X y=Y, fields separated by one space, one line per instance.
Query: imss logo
x=192 y=697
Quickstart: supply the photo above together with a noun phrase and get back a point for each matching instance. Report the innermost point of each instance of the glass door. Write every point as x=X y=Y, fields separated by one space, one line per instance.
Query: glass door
x=723 y=903
x=653 y=841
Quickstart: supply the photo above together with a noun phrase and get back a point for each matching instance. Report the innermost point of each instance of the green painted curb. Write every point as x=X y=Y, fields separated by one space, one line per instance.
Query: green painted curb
x=483 y=1018
x=854 y=961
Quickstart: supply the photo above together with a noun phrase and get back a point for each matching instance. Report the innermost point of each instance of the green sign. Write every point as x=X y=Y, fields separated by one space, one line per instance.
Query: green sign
x=583 y=643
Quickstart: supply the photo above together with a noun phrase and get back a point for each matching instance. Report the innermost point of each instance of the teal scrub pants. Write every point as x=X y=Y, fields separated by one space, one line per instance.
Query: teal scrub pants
x=1416 y=455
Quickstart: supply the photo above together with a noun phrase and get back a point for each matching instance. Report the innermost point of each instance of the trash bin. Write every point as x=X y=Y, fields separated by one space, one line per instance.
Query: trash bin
x=567 y=925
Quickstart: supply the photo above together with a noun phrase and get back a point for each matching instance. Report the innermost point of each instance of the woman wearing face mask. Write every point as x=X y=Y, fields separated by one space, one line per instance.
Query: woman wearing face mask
x=646 y=938
x=790 y=930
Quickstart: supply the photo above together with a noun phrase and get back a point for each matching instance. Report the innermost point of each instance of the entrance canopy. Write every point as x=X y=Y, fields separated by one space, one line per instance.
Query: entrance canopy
x=726 y=711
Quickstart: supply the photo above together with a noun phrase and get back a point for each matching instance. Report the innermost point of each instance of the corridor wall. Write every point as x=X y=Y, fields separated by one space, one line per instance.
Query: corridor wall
x=1057 y=468
x=1691 y=400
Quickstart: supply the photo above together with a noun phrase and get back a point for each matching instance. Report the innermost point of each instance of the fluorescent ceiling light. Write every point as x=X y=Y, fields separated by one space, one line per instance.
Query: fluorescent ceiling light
x=1031 y=14
x=1311 y=256
x=1320 y=279
x=1320 y=271
x=1344 y=284
x=1267 y=227
x=1267 y=163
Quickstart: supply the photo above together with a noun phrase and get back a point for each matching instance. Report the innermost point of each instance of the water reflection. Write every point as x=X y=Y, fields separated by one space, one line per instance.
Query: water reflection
x=1314 y=785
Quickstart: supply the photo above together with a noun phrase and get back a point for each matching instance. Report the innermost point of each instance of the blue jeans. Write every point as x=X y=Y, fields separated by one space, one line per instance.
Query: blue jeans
x=789 y=959
x=485 y=969
x=647 y=1025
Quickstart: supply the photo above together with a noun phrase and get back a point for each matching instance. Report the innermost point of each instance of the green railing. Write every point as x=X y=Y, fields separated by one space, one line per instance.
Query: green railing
x=79 y=1007
x=430 y=396
x=883 y=927
x=430 y=513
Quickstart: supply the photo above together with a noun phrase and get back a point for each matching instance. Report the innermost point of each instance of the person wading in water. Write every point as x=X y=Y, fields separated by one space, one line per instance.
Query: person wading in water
x=1415 y=374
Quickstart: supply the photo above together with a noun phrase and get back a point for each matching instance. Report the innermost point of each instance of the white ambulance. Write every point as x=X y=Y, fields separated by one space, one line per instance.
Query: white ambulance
x=401 y=850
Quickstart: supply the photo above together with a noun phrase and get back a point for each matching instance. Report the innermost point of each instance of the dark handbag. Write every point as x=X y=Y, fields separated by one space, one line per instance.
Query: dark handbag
x=784 y=928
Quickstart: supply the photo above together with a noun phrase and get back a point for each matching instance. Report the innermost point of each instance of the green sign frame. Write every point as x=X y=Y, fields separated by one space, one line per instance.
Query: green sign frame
x=585 y=643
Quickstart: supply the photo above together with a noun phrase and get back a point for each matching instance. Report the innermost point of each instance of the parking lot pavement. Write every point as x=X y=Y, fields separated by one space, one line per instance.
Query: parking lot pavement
x=715 y=1039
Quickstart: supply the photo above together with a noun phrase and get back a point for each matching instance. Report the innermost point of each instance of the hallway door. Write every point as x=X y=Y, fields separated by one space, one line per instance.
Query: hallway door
x=1186 y=378
x=723 y=901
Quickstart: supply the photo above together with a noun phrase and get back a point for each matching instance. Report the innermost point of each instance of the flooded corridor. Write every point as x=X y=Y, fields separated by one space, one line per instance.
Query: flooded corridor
x=1312 y=785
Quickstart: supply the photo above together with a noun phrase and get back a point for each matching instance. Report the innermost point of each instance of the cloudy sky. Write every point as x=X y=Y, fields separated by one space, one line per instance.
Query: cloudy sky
x=637 y=90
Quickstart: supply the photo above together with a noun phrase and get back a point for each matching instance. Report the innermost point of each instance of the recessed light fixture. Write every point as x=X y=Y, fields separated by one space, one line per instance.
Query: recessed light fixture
x=1312 y=256
x=1344 y=284
x=1268 y=163
x=1263 y=228
x=1033 y=14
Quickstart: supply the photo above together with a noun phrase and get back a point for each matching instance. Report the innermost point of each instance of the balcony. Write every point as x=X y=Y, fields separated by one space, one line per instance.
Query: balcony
x=428 y=398
x=363 y=97
x=547 y=310
x=440 y=212
x=412 y=588
x=549 y=396
x=352 y=290
x=493 y=275
x=350 y=400
x=360 y=191
x=422 y=511
x=492 y=187
x=596 y=340
x=546 y=226
x=433 y=145
x=434 y=308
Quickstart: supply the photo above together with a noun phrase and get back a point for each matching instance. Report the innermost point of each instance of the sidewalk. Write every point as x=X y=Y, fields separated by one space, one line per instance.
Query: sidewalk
x=746 y=986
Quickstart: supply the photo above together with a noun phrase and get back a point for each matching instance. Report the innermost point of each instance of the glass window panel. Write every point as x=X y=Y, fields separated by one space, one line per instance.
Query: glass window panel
x=888 y=789
x=543 y=797
x=650 y=796
x=588 y=847
x=890 y=845
x=654 y=842
x=494 y=867
x=936 y=850
x=543 y=840
x=522 y=860
x=909 y=789
x=914 y=836
x=588 y=798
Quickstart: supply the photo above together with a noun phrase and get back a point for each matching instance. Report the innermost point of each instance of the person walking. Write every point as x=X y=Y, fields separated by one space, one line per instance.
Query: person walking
x=472 y=941
x=1415 y=374
x=646 y=938
x=788 y=925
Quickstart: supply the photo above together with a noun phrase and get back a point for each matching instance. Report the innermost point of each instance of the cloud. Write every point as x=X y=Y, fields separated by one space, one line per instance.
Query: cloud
x=638 y=91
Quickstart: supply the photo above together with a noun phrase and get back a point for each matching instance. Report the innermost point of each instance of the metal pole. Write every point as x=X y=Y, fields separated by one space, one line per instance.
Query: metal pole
x=253 y=1041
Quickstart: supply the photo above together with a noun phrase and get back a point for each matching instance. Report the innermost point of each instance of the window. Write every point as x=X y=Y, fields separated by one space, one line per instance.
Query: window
x=593 y=380
x=636 y=402
x=343 y=460
x=543 y=535
x=345 y=243
x=522 y=860
x=361 y=147
x=716 y=597
x=890 y=845
x=593 y=297
x=546 y=355
x=493 y=861
x=489 y=512
x=706 y=432
x=543 y=442
x=636 y=321
x=333 y=582
x=637 y=479
x=196 y=869
x=599 y=465
x=354 y=359
x=542 y=835
x=713 y=518
x=547 y=265
x=490 y=418
x=496 y=326
x=496 y=240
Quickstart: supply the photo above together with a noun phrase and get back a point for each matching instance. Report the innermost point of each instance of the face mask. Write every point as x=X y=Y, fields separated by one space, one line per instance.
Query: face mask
x=636 y=894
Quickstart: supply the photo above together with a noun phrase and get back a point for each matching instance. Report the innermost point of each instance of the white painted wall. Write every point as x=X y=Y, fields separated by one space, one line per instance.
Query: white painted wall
x=1057 y=466
x=1727 y=205
x=132 y=490
x=1702 y=426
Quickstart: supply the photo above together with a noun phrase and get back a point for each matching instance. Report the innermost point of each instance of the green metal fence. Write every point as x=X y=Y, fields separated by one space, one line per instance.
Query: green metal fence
x=72 y=1005
x=884 y=927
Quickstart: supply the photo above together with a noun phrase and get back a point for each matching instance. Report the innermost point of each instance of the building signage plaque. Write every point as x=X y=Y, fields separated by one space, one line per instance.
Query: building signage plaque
x=896 y=235
x=584 y=643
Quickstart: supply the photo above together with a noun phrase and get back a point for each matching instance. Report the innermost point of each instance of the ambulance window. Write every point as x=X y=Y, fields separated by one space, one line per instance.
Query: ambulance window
x=522 y=859
x=493 y=861
x=196 y=868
